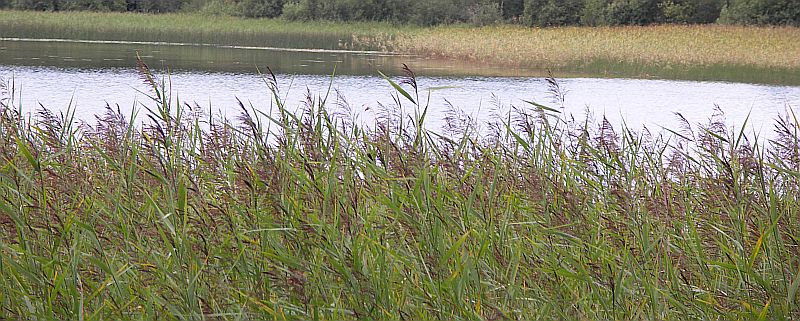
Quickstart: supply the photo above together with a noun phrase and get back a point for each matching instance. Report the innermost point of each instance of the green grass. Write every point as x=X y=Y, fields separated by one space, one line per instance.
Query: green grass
x=706 y=52
x=510 y=45
x=193 y=28
x=276 y=215
x=662 y=45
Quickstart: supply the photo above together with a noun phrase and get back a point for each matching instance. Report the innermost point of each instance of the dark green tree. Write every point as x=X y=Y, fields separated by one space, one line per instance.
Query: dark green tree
x=633 y=12
x=433 y=12
x=301 y=10
x=547 y=13
x=93 y=5
x=512 y=9
x=761 y=12
x=484 y=13
x=154 y=6
x=261 y=8
x=393 y=10
x=691 y=11
x=594 y=12
x=38 y=5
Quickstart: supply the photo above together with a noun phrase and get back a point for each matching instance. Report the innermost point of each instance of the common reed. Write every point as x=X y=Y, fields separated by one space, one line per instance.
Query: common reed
x=511 y=45
x=309 y=215
x=665 y=45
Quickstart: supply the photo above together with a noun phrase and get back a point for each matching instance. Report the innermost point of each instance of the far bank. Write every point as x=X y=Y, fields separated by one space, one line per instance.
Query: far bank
x=702 y=52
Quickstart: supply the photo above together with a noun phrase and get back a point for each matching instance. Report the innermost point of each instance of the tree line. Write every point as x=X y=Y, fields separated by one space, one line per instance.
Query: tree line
x=541 y=13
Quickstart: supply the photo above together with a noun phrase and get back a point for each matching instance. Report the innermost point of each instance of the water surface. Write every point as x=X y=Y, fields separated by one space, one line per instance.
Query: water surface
x=650 y=103
x=99 y=54
x=93 y=73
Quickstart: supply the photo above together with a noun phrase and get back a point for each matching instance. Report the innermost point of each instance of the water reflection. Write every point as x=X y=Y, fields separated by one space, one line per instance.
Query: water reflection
x=238 y=59
x=650 y=103
x=92 y=54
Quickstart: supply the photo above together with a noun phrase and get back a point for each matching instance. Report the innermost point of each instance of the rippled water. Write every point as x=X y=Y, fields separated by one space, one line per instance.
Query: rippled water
x=93 y=73
x=650 y=103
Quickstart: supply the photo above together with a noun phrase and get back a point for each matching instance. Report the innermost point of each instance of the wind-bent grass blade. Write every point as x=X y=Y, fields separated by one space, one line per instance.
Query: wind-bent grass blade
x=296 y=216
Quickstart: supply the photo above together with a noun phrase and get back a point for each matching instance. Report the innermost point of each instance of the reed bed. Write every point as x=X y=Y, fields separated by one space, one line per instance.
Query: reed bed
x=769 y=48
x=676 y=45
x=297 y=216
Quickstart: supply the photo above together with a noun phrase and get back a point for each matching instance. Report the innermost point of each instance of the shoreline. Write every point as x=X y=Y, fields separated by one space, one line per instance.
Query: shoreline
x=698 y=52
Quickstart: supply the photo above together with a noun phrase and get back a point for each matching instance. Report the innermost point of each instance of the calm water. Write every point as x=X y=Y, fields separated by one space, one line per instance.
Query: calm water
x=94 y=73
x=188 y=57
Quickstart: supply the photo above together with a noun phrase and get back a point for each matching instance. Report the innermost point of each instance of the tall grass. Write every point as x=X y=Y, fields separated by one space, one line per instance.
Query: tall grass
x=511 y=45
x=194 y=28
x=670 y=45
x=283 y=215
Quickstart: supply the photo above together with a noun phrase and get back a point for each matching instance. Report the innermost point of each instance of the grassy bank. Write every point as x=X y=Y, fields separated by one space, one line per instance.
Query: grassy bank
x=307 y=216
x=191 y=28
x=568 y=49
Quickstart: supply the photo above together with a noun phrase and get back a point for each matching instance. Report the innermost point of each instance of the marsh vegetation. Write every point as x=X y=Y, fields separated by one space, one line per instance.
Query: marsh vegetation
x=698 y=52
x=173 y=210
x=282 y=215
x=477 y=12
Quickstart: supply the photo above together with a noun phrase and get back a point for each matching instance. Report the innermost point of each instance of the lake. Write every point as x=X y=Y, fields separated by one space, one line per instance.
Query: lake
x=93 y=73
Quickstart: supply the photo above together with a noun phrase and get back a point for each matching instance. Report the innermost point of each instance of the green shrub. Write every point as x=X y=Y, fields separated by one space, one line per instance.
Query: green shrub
x=94 y=5
x=632 y=12
x=691 y=11
x=219 y=7
x=511 y=9
x=261 y=8
x=154 y=5
x=38 y=5
x=348 y=10
x=294 y=10
x=100 y=5
x=434 y=12
x=761 y=12
x=486 y=13
x=552 y=12
x=593 y=13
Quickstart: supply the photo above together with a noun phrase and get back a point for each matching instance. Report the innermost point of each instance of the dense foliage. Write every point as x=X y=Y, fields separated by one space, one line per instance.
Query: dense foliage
x=780 y=12
x=98 y=5
x=479 y=12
